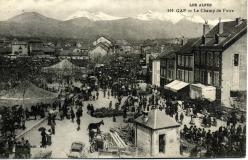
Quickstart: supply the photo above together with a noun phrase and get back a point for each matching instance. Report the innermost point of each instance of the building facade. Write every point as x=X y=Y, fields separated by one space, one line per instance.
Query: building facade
x=157 y=134
x=167 y=68
x=220 y=59
x=156 y=72
x=19 y=48
x=185 y=62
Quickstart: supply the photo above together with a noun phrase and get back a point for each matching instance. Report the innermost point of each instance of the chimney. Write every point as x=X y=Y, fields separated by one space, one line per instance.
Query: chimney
x=220 y=27
x=238 y=21
x=217 y=39
x=206 y=28
x=203 y=39
x=183 y=41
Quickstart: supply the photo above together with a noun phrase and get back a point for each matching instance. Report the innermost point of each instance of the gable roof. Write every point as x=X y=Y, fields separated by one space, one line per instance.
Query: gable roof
x=169 y=51
x=188 y=47
x=231 y=32
x=64 y=64
x=106 y=37
x=157 y=119
x=103 y=45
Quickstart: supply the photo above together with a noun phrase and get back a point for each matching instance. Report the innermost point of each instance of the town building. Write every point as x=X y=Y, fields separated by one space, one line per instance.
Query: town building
x=157 y=134
x=185 y=61
x=220 y=60
x=101 y=49
x=156 y=72
x=19 y=48
x=168 y=63
x=102 y=39
x=35 y=47
x=73 y=54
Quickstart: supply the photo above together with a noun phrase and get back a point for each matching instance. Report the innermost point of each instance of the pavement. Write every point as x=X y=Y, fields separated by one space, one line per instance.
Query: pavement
x=66 y=131
x=30 y=125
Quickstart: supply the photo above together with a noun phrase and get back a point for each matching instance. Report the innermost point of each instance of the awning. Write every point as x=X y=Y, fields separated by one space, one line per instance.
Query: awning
x=176 y=85
x=202 y=91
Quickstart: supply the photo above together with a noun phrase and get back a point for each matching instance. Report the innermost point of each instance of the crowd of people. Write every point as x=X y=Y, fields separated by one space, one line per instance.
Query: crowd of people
x=119 y=80
x=17 y=148
x=227 y=141
x=11 y=119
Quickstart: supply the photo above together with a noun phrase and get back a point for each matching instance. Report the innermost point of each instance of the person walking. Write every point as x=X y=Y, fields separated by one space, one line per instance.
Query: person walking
x=176 y=117
x=108 y=94
x=72 y=115
x=110 y=105
x=97 y=94
x=78 y=123
x=43 y=138
x=49 y=137
x=181 y=117
x=53 y=127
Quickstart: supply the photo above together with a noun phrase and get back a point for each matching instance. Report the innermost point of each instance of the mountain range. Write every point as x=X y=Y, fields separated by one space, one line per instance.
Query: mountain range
x=88 y=26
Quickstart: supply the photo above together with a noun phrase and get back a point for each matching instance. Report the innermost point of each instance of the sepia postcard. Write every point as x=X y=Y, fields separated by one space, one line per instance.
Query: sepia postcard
x=84 y=79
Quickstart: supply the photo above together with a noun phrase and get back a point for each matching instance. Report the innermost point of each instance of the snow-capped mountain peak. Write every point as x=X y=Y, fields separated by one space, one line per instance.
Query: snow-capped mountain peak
x=94 y=16
x=163 y=16
x=174 y=17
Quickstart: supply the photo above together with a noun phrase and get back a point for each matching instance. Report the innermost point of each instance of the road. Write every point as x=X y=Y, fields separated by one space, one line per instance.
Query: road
x=66 y=131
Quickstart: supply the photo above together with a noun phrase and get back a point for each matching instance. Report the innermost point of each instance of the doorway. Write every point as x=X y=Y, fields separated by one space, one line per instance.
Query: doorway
x=162 y=143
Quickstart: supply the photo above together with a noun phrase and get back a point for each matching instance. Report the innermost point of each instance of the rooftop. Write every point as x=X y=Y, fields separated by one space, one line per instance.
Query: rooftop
x=231 y=31
x=157 y=120
x=188 y=46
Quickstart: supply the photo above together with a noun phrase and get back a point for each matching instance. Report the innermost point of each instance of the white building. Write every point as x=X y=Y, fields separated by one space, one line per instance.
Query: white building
x=19 y=48
x=102 y=39
x=156 y=72
x=99 y=50
x=157 y=134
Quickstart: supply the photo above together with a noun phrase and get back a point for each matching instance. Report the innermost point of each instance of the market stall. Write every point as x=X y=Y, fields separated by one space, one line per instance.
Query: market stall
x=26 y=94
x=200 y=91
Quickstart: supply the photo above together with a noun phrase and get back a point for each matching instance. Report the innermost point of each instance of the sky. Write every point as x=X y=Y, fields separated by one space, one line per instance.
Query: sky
x=61 y=9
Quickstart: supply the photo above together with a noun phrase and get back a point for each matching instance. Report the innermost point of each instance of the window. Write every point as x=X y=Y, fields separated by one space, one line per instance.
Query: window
x=216 y=79
x=162 y=72
x=179 y=60
x=191 y=62
x=183 y=59
x=179 y=74
x=171 y=63
x=186 y=61
x=236 y=59
x=216 y=59
x=197 y=58
x=197 y=75
x=186 y=76
x=202 y=76
x=191 y=77
x=202 y=58
x=183 y=75
x=209 y=58
x=170 y=75
x=210 y=76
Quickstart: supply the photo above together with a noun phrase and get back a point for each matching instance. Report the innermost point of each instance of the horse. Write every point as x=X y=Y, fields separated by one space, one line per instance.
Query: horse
x=95 y=125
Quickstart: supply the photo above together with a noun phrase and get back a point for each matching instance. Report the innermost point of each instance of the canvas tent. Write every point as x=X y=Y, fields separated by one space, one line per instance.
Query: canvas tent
x=26 y=94
x=176 y=85
x=64 y=67
x=200 y=91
